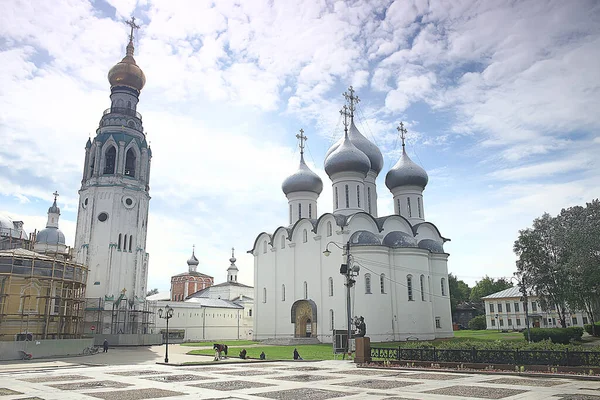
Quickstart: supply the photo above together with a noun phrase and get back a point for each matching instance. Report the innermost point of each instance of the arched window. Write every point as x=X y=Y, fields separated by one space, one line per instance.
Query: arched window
x=399 y=213
x=92 y=166
x=109 y=160
x=422 y=288
x=119 y=244
x=29 y=299
x=337 y=199
x=408 y=206
x=358 y=195
x=368 y=283
x=129 y=104
x=305 y=236
x=330 y=286
x=283 y=242
x=264 y=295
x=130 y=240
x=409 y=287
x=120 y=103
x=124 y=242
x=305 y=290
x=309 y=210
x=329 y=229
x=369 y=199
x=331 y=322
x=290 y=214
x=382 y=283
x=130 y=163
x=429 y=287
x=299 y=211
x=419 y=206
x=282 y=292
x=347 y=197
x=443 y=284
x=264 y=246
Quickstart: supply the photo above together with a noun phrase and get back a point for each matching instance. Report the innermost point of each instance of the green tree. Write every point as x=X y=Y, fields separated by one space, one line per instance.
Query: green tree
x=487 y=286
x=151 y=292
x=459 y=291
x=478 y=323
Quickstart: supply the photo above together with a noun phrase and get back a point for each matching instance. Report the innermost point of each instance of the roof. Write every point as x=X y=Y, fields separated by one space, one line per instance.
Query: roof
x=231 y=284
x=512 y=292
x=214 y=303
x=25 y=253
x=194 y=273
x=160 y=296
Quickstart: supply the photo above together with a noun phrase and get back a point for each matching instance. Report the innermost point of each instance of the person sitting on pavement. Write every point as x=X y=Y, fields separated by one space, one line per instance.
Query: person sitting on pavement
x=243 y=354
x=297 y=355
x=263 y=356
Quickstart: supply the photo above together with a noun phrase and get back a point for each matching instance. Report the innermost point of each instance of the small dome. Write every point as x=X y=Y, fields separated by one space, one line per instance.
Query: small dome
x=193 y=261
x=54 y=208
x=399 y=239
x=431 y=245
x=364 y=145
x=127 y=73
x=364 y=238
x=347 y=158
x=9 y=228
x=406 y=173
x=303 y=180
x=50 y=236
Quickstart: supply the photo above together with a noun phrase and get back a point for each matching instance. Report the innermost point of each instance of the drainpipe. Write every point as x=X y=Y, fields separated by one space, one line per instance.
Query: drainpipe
x=204 y=323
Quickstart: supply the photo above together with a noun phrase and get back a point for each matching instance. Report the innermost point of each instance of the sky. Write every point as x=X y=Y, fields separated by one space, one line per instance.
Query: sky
x=501 y=101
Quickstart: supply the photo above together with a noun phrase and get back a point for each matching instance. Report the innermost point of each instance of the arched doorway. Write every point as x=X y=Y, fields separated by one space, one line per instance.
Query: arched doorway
x=304 y=318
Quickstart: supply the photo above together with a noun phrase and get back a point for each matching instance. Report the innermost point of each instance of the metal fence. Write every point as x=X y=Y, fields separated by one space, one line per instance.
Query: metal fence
x=515 y=357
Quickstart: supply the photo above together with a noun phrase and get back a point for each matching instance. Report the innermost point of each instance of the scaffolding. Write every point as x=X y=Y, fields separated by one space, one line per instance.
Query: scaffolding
x=120 y=316
x=41 y=296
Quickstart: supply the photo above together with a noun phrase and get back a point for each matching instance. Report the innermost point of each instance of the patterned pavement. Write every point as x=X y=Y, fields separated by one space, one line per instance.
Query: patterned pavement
x=278 y=380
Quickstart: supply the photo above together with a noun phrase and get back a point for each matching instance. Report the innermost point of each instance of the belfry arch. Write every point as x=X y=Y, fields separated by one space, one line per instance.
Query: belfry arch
x=304 y=318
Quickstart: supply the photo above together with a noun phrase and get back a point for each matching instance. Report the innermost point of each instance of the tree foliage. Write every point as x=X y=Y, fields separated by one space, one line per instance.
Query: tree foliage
x=478 y=323
x=487 y=286
x=459 y=291
x=559 y=258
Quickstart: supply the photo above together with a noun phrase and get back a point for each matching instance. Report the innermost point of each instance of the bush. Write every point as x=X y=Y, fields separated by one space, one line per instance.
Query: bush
x=556 y=335
x=588 y=328
x=478 y=323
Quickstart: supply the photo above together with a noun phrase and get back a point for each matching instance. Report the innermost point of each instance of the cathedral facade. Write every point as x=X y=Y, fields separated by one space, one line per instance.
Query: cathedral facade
x=112 y=219
x=398 y=263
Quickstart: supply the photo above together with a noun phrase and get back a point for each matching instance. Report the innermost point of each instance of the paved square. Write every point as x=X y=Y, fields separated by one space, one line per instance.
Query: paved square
x=136 y=394
x=301 y=394
x=435 y=377
x=55 y=378
x=136 y=373
x=250 y=372
x=476 y=392
x=231 y=385
x=90 y=385
x=306 y=369
x=579 y=397
x=8 y=392
x=526 y=382
x=378 y=384
x=177 y=378
x=301 y=378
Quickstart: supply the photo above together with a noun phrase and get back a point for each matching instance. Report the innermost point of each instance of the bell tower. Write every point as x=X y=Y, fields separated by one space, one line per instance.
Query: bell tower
x=112 y=219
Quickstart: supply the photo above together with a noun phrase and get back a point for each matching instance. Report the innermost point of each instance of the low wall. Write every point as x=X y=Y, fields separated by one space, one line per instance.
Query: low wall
x=44 y=348
x=129 y=340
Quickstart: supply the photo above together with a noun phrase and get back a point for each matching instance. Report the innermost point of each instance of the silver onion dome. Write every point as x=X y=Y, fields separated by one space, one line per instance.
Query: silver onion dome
x=406 y=173
x=303 y=180
x=364 y=145
x=193 y=261
x=54 y=208
x=347 y=158
x=50 y=236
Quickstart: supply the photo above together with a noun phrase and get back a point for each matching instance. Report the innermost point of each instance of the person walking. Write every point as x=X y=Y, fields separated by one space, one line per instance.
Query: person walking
x=105 y=346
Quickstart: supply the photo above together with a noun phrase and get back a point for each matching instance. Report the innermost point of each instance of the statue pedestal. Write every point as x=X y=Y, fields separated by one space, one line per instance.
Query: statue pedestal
x=363 y=350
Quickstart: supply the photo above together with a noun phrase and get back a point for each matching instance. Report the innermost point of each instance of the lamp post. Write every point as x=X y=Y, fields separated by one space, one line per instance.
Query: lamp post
x=349 y=273
x=497 y=325
x=523 y=290
x=168 y=313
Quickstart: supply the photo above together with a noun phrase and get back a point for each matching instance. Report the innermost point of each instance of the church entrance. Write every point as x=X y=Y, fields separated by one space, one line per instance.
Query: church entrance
x=304 y=318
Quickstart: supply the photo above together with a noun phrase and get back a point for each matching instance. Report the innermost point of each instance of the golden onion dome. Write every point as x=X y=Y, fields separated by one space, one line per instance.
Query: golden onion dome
x=126 y=72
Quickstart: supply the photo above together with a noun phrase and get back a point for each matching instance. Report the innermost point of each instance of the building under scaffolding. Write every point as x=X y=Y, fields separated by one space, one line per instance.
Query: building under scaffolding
x=118 y=316
x=41 y=296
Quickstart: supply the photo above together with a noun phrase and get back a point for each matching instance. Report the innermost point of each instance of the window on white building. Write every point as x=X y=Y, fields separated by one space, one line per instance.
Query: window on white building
x=309 y=210
x=299 y=211
x=330 y=286
x=493 y=323
x=347 y=197
x=574 y=320
x=119 y=244
x=419 y=206
x=382 y=283
x=518 y=321
x=533 y=306
x=331 y=321
x=499 y=307
x=507 y=307
x=408 y=207
x=422 y=282
x=305 y=236
x=290 y=214
x=337 y=199
x=516 y=307
x=438 y=322
x=509 y=322
x=368 y=283
x=409 y=287
x=369 y=199
x=305 y=290
x=264 y=295
x=283 y=242
x=265 y=246
x=358 y=196
x=398 y=203
x=282 y=292
x=501 y=322
x=491 y=307
x=443 y=285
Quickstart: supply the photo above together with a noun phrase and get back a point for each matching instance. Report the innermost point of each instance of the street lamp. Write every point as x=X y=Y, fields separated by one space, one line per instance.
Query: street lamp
x=168 y=312
x=497 y=325
x=349 y=273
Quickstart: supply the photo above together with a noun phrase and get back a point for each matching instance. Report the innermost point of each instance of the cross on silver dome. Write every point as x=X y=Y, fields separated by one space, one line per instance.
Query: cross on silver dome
x=303 y=180
x=405 y=172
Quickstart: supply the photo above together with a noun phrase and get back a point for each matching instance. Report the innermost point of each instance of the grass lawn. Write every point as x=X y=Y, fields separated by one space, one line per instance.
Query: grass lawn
x=227 y=343
x=307 y=352
x=488 y=335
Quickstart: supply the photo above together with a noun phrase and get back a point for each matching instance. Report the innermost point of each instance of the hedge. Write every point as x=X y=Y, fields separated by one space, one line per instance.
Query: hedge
x=588 y=328
x=478 y=323
x=491 y=345
x=556 y=335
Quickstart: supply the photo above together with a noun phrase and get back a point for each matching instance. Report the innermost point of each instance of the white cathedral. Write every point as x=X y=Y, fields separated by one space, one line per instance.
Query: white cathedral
x=112 y=220
x=401 y=286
